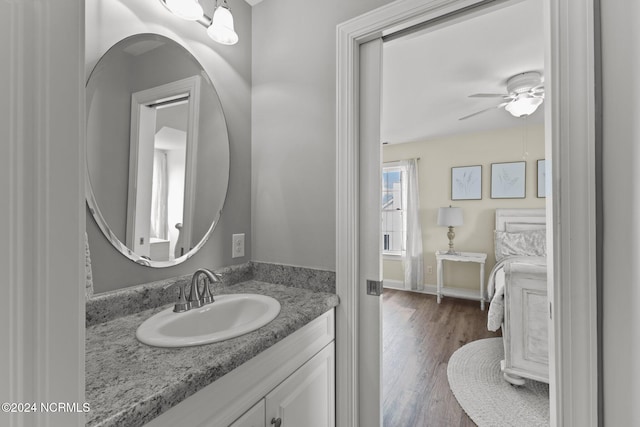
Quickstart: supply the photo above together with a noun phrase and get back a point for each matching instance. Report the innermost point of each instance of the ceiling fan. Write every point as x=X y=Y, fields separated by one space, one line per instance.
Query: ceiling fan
x=525 y=93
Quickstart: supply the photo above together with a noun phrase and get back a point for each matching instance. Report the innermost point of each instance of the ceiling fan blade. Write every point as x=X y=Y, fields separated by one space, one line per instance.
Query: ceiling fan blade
x=489 y=95
x=483 y=111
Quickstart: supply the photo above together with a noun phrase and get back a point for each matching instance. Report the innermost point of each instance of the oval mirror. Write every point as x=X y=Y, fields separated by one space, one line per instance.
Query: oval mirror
x=157 y=150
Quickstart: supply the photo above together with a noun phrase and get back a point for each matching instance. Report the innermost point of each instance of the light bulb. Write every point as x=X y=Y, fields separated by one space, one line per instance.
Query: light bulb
x=221 y=29
x=185 y=9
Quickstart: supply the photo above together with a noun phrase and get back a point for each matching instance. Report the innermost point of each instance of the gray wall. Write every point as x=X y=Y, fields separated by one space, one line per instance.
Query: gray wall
x=621 y=176
x=107 y=22
x=293 y=141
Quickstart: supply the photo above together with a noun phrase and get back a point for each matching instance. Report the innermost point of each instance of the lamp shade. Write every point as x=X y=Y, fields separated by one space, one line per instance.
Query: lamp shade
x=449 y=217
x=221 y=29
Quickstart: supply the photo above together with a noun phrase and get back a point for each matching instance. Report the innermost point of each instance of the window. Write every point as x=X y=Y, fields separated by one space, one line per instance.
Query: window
x=394 y=205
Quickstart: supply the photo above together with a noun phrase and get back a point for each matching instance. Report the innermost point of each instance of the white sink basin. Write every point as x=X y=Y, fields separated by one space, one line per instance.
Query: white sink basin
x=227 y=317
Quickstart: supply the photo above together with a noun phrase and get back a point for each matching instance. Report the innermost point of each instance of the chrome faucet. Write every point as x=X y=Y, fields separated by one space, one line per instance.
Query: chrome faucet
x=196 y=298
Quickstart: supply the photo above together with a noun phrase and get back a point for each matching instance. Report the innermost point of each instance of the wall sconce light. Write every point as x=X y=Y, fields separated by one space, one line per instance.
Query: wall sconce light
x=220 y=28
x=450 y=217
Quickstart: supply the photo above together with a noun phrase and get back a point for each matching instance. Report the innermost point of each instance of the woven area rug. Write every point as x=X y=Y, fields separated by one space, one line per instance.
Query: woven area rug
x=476 y=381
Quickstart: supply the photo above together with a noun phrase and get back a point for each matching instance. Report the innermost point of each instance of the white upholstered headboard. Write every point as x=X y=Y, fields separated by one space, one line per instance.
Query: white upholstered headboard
x=520 y=219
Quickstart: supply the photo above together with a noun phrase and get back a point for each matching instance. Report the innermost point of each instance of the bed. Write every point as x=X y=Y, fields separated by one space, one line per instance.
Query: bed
x=517 y=287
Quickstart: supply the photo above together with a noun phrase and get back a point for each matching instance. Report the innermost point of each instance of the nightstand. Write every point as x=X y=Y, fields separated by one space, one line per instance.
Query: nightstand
x=476 y=257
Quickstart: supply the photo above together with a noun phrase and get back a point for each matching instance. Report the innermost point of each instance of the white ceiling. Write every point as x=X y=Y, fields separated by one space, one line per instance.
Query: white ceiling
x=428 y=75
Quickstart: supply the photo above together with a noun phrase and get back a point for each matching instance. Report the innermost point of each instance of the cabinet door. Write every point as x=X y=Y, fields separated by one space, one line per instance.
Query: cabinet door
x=254 y=417
x=307 y=397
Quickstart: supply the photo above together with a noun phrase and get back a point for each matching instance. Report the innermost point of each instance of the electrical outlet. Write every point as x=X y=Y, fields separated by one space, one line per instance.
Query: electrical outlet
x=237 y=245
x=429 y=269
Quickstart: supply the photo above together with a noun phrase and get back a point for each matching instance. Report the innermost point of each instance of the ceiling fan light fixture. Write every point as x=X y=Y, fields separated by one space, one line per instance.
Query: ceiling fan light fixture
x=525 y=93
x=523 y=105
x=523 y=82
x=185 y=9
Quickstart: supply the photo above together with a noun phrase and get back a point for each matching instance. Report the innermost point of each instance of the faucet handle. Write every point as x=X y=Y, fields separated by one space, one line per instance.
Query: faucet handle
x=182 y=304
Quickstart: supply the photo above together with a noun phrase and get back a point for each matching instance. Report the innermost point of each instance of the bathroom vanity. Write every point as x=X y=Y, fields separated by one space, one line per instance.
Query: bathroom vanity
x=271 y=374
x=290 y=383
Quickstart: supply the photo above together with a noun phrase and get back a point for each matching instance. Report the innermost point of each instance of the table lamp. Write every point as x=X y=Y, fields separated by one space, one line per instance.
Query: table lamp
x=450 y=217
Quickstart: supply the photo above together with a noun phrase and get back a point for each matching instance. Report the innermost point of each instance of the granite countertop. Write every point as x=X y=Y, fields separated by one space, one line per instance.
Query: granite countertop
x=130 y=383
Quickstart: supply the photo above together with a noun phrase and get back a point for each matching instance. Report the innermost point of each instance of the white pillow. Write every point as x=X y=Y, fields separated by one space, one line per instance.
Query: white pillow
x=521 y=243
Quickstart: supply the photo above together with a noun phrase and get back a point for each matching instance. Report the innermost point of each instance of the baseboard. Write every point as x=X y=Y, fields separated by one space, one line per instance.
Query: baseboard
x=399 y=285
x=432 y=290
x=393 y=284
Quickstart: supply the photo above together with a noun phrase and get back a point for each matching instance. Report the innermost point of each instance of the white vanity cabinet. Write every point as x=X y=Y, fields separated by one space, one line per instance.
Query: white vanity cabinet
x=306 y=398
x=293 y=380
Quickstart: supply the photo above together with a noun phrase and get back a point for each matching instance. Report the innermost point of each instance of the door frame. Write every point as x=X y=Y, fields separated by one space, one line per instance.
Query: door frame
x=570 y=36
x=43 y=213
x=141 y=117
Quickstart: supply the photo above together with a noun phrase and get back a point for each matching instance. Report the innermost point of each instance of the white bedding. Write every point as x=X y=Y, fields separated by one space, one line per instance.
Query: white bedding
x=496 y=284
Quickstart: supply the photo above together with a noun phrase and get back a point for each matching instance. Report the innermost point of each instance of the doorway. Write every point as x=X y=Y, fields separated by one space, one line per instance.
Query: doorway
x=162 y=173
x=444 y=93
x=576 y=389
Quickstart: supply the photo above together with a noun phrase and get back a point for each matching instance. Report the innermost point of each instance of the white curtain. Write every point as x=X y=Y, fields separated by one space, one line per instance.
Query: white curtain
x=414 y=260
x=159 y=196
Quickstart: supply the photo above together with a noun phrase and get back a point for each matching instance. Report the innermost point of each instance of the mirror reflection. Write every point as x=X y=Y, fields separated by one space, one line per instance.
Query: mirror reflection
x=166 y=154
x=157 y=150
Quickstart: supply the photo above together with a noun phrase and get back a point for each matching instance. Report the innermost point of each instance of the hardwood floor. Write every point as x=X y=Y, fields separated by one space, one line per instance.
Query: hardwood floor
x=419 y=336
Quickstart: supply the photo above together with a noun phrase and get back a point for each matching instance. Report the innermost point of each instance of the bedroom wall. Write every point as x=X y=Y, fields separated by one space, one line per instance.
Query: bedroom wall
x=437 y=157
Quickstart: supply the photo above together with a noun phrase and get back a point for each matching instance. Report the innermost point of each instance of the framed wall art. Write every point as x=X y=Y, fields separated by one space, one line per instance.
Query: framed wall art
x=508 y=180
x=466 y=183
